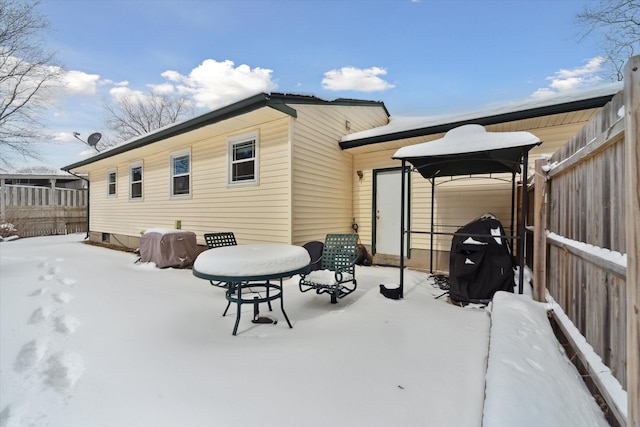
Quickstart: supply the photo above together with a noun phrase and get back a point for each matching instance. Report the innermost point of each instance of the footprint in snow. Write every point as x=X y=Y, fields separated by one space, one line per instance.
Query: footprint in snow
x=30 y=354
x=63 y=370
x=43 y=264
x=54 y=270
x=13 y=415
x=67 y=281
x=38 y=292
x=62 y=297
x=66 y=324
x=39 y=315
x=45 y=277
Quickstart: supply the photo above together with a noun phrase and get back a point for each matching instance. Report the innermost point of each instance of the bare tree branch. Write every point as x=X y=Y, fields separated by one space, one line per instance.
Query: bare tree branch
x=27 y=74
x=136 y=114
x=617 y=24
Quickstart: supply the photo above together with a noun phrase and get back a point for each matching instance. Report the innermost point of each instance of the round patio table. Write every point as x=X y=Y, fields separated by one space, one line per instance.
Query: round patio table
x=252 y=266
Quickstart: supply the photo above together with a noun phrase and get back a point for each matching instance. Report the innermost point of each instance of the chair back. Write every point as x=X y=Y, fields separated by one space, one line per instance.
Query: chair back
x=217 y=240
x=315 y=253
x=339 y=252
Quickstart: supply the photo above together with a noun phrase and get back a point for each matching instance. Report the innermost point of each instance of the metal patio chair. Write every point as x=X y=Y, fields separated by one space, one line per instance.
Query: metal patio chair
x=314 y=249
x=217 y=240
x=337 y=268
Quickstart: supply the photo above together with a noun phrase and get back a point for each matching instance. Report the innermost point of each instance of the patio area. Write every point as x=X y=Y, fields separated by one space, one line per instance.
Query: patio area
x=88 y=337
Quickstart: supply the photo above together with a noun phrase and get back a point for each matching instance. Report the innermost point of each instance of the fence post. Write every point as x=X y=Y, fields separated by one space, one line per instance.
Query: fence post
x=540 y=233
x=3 y=200
x=632 y=213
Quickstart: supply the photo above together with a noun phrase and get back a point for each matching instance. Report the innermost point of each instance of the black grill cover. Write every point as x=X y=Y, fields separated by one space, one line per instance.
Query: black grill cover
x=480 y=262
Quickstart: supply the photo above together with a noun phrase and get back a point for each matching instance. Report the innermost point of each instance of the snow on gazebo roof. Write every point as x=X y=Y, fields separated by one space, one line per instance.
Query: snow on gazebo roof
x=469 y=149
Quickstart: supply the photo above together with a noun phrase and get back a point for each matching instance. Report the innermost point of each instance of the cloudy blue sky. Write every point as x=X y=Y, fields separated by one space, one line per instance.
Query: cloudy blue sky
x=419 y=57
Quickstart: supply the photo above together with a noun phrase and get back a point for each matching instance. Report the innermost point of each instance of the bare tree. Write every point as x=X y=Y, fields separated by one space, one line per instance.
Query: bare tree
x=617 y=23
x=130 y=116
x=27 y=73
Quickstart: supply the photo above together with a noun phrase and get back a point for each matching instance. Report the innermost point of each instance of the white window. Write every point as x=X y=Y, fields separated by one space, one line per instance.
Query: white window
x=180 y=163
x=135 y=181
x=242 y=152
x=111 y=182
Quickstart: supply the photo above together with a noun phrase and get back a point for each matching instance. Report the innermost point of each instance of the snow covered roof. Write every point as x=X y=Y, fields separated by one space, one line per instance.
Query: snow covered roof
x=401 y=127
x=469 y=149
x=276 y=101
x=39 y=175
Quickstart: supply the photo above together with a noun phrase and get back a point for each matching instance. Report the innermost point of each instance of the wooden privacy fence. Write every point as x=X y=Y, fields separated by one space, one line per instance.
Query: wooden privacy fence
x=586 y=217
x=41 y=211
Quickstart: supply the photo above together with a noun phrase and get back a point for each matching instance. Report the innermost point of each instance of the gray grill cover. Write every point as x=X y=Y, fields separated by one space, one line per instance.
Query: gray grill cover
x=173 y=249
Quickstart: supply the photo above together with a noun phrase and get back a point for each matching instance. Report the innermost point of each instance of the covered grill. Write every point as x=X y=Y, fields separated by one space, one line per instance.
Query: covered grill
x=168 y=247
x=480 y=262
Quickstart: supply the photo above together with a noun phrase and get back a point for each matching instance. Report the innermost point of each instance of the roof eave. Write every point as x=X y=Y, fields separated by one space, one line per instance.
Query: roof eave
x=566 y=107
x=277 y=101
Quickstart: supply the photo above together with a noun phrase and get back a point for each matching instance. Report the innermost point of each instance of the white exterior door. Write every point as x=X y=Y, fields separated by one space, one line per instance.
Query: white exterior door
x=387 y=211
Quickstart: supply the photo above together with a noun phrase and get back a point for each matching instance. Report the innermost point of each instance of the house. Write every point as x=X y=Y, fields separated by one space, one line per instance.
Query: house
x=376 y=195
x=268 y=168
x=290 y=168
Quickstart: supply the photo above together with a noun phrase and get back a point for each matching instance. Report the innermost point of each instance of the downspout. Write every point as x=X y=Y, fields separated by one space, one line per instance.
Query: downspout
x=88 y=198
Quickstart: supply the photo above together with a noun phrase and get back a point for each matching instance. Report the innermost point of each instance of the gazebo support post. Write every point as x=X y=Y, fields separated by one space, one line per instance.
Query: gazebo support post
x=513 y=202
x=523 y=221
x=433 y=190
x=402 y=179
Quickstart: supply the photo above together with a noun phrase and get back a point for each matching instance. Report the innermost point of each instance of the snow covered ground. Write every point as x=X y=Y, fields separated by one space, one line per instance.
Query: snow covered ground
x=88 y=338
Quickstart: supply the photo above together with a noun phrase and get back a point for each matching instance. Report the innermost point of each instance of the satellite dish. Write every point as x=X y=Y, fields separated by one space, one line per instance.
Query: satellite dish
x=93 y=139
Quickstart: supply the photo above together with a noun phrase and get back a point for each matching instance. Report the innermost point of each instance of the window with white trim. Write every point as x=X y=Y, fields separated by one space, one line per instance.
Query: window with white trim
x=112 y=182
x=242 y=152
x=135 y=181
x=180 y=163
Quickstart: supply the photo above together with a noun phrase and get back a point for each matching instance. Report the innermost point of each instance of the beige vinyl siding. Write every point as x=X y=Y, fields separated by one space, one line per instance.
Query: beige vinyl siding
x=459 y=201
x=255 y=213
x=322 y=173
x=363 y=189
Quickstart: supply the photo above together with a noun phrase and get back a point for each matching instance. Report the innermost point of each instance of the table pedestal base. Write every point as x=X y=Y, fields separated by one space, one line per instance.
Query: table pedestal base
x=234 y=295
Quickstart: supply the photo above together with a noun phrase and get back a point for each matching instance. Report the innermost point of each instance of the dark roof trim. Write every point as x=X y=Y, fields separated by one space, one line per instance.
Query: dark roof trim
x=567 y=107
x=277 y=101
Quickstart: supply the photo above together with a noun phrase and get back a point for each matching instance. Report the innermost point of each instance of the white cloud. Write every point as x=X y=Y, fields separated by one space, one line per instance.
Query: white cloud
x=63 y=137
x=162 y=89
x=593 y=66
x=112 y=83
x=79 y=83
x=213 y=84
x=358 y=79
x=125 y=92
x=575 y=78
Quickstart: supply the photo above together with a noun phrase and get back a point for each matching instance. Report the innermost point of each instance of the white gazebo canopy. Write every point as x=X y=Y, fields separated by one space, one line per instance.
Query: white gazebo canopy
x=469 y=150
